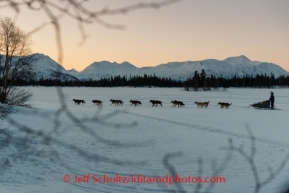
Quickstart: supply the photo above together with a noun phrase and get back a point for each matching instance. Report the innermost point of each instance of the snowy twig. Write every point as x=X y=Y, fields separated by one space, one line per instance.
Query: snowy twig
x=172 y=169
x=77 y=11
x=250 y=159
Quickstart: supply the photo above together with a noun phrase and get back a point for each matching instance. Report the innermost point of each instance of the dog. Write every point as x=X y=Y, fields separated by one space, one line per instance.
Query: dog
x=155 y=103
x=97 y=102
x=226 y=105
x=116 y=102
x=119 y=102
x=78 y=101
x=174 y=103
x=202 y=104
x=135 y=103
x=179 y=103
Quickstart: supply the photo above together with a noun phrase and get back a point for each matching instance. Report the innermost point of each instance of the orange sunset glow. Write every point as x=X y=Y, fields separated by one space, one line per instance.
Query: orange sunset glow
x=186 y=30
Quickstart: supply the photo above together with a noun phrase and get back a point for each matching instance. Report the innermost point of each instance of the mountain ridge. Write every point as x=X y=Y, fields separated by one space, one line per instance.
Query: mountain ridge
x=232 y=66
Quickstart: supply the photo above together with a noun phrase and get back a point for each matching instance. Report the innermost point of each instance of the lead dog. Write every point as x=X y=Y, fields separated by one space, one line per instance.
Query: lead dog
x=155 y=103
x=226 y=105
x=78 y=101
x=202 y=104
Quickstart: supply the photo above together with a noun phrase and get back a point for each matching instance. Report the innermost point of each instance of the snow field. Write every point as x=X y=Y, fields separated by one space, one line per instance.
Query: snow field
x=125 y=148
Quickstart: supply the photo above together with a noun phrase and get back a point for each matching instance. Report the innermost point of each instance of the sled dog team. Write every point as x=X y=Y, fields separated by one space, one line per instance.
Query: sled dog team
x=154 y=103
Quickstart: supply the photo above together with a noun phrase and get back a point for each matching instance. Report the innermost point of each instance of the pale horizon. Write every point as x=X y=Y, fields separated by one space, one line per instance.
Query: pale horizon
x=189 y=30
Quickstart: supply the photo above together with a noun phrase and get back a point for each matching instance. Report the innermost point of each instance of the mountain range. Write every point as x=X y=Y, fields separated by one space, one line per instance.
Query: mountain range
x=46 y=68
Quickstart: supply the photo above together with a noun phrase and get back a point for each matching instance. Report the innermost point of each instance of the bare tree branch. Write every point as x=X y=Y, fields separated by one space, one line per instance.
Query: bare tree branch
x=77 y=11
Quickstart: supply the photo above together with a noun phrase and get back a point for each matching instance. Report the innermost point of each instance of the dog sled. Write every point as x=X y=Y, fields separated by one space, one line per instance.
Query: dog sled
x=263 y=105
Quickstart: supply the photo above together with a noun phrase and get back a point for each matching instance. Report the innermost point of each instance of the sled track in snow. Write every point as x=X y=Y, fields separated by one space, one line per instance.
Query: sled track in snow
x=211 y=130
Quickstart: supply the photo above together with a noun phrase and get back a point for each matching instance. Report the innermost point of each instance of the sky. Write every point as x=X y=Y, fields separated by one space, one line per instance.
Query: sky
x=188 y=30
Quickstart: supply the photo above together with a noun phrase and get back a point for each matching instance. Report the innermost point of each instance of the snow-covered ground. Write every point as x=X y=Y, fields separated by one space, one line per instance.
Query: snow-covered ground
x=128 y=140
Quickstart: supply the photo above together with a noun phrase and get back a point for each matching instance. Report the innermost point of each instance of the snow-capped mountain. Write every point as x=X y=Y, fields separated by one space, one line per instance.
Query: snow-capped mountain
x=46 y=68
x=233 y=66
x=97 y=70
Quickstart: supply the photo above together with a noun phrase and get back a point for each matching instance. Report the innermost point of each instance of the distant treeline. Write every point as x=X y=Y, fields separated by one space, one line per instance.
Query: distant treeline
x=196 y=82
x=114 y=81
x=259 y=81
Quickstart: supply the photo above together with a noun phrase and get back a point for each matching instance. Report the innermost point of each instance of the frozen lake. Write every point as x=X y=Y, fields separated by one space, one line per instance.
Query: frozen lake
x=127 y=140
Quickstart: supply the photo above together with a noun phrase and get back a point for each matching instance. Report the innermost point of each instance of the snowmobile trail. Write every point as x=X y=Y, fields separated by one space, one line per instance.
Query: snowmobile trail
x=211 y=130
